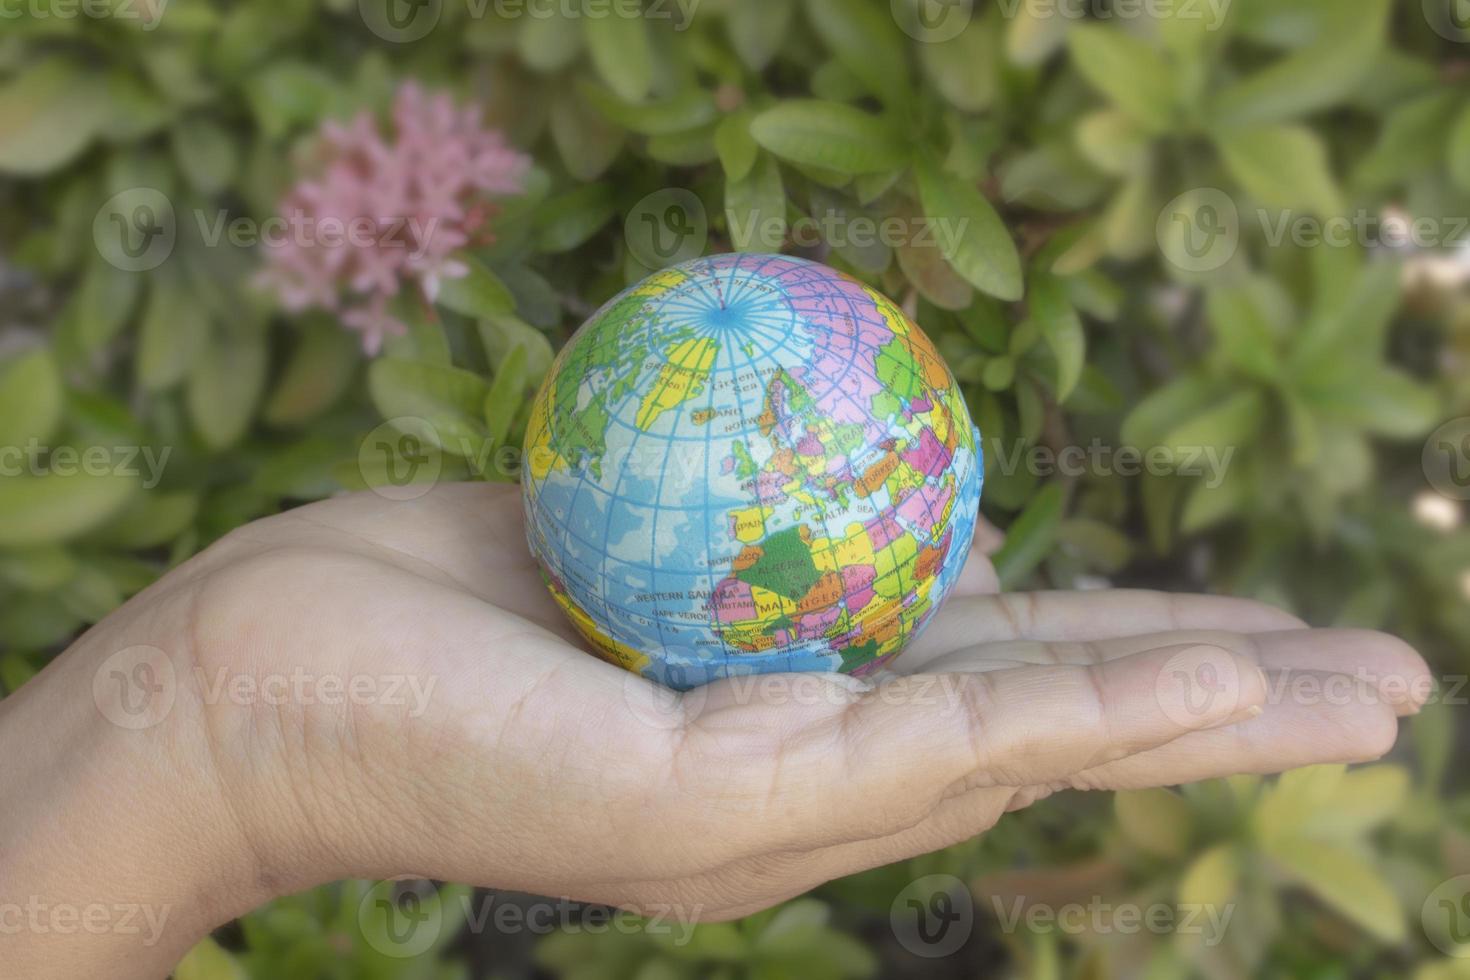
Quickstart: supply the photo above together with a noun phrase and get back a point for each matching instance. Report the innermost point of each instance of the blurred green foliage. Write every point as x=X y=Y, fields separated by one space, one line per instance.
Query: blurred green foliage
x=1071 y=164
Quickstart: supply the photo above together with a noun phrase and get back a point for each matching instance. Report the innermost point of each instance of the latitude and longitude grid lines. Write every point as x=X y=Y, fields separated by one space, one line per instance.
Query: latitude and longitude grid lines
x=730 y=300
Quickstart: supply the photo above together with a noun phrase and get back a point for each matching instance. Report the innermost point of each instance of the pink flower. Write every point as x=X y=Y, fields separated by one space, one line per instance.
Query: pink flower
x=381 y=212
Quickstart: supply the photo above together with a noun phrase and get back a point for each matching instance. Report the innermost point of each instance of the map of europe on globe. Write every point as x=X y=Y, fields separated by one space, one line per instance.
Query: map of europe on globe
x=746 y=464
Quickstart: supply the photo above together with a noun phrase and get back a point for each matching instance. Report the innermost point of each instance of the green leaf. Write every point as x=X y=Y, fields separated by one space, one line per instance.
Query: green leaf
x=1156 y=821
x=1102 y=546
x=1351 y=315
x=1411 y=142
x=1211 y=502
x=174 y=328
x=1130 y=226
x=549 y=44
x=1113 y=142
x=503 y=334
x=288 y=94
x=1244 y=333
x=450 y=400
x=1434 y=742
x=689 y=109
x=1383 y=401
x=49 y=114
x=207 y=154
x=971 y=235
x=932 y=275
x=1029 y=540
x=315 y=376
x=97 y=311
x=755 y=208
x=32 y=398
x=587 y=141
x=1362 y=800
x=691 y=148
x=209 y=961
x=866 y=40
x=15 y=671
x=1062 y=328
x=1150 y=420
x=134 y=111
x=56 y=506
x=1459 y=151
x=570 y=219
x=506 y=396
x=1343 y=880
x=829 y=135
x=1211 y=880
x=37 y=569
x=734 y=144
x=479 y=293
x=224 y=387
x=1225 y=426
x=1283 y=167
x=1034 y=33
x=1128 y=70
x=621 y=52
x=757 y=28
x=152 y=519
x=966 y=68
x=1313 y=78
x=1287 y=807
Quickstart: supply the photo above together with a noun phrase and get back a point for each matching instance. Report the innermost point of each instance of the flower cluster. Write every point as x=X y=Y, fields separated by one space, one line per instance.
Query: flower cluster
x=380 y=212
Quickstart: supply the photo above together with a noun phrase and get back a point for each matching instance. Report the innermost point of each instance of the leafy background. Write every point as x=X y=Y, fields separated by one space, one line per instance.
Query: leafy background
x=1064 y=143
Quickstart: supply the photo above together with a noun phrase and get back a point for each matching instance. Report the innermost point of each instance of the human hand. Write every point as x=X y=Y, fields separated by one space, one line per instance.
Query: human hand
x=483 y=744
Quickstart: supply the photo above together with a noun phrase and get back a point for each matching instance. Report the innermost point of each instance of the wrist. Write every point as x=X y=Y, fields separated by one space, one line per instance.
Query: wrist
x=120 y=849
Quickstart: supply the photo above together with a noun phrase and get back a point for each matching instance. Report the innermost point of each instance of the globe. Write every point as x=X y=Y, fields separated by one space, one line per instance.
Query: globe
x=747 y=464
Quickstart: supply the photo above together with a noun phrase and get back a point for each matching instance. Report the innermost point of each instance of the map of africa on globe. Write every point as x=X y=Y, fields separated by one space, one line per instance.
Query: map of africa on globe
x=750 y=463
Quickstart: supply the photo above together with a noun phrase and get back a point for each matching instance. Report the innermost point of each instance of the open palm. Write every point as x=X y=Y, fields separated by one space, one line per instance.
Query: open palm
x=508 y=756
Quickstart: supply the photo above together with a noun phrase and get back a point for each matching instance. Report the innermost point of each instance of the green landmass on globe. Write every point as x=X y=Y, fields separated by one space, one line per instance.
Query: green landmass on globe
x=746 y=464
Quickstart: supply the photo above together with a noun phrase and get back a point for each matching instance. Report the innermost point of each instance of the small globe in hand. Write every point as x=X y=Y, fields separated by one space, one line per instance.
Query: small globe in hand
x=747 y=464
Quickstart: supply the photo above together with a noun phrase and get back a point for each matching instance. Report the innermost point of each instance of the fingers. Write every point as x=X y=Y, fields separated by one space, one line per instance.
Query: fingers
x=1392 y=668
x=1286 y=736
x=967 y=621
x=877 y=765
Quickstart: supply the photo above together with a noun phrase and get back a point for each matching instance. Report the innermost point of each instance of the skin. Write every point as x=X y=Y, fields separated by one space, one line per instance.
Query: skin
x=531 y=765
